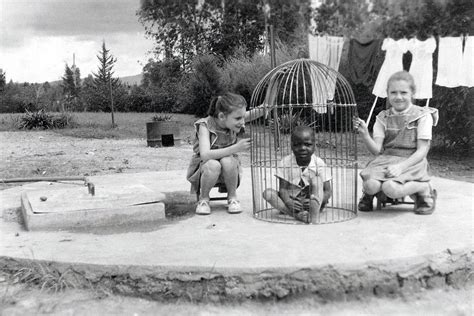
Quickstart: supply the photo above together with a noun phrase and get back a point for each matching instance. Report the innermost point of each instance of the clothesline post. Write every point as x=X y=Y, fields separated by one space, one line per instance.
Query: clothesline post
x=371 y=111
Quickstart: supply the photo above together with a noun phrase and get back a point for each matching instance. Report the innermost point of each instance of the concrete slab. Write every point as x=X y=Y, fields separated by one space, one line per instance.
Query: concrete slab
x=225 y=256
x=74 y=207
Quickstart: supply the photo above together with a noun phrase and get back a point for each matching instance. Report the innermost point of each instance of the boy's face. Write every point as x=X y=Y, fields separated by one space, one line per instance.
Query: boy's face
x=303 y=145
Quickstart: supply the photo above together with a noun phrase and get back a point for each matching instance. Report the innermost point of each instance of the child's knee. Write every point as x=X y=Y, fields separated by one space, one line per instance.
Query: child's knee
x=269 y=194
x=211 y=166
x=372 y=186
x=228 y=163
x=391 y=189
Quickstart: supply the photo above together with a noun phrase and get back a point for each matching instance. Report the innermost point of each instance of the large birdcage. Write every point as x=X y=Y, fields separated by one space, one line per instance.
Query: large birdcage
x=305 y=92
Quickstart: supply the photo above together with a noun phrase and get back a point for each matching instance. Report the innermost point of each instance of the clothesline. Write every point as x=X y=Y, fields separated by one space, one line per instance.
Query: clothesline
x=455 y=64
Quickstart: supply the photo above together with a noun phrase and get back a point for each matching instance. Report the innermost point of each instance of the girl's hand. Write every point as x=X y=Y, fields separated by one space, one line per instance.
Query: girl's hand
x=243 y=144
x=393 y=171
x=360 y=126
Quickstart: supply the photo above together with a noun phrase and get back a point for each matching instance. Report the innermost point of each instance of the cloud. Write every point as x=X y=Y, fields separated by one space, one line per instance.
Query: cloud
x=43 y=35
x=66 y=18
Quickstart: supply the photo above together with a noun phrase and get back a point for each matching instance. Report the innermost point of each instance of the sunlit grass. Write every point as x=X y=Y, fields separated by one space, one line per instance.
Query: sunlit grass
x=99 y=124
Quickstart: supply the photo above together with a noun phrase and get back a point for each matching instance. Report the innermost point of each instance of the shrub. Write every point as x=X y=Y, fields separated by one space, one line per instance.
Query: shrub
x=43 y=120
x=161 y=117
x=203 y=83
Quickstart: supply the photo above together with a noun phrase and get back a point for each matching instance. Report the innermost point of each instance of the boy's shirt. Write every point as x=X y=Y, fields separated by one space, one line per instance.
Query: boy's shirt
x=289 y=170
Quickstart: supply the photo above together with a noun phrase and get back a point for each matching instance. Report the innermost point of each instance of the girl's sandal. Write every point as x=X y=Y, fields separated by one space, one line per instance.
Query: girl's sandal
x=425 y=204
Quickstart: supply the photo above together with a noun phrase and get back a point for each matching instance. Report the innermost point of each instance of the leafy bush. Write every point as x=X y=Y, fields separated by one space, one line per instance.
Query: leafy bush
x=241 y=74
x=161 y=117
x=43 y=120
x=203 y=83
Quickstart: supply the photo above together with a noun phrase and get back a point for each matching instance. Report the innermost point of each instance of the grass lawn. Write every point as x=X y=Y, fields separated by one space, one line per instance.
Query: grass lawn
x=99 y=124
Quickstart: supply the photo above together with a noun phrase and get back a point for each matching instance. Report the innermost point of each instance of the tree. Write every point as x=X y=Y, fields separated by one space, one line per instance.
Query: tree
x=104 y=84
x=3 y=81
x=189 y=27
x=71 y=82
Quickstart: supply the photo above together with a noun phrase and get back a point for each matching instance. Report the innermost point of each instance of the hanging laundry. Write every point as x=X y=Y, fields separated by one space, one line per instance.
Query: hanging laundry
x=326 y=49
x=363 y=61
x=393 y=62
x=318 y=49
x=468 y=62
x=421 y=67
x=450 y=59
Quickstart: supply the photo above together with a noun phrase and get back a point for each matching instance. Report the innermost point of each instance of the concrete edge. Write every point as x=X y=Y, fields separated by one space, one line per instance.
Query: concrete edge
x=338 y=282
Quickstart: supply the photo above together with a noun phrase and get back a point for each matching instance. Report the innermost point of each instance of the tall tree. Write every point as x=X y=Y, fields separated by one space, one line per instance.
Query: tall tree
x=103 y=81
x=190 y=27
x=71 y=82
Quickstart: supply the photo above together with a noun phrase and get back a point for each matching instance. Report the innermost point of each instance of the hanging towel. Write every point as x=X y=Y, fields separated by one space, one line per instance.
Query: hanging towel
x=450 y=62
x=318 y=48
x=468 y=62
x=335 y=44
x=393 y=62
x=421 y=67
x=363 y=61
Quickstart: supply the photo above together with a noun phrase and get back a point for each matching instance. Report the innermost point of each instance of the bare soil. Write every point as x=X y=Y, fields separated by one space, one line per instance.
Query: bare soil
x=33 y=154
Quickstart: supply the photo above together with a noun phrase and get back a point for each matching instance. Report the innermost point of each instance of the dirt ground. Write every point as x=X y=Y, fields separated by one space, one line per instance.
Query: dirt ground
x=18 y=300
x=45 y=153
x=34 y=154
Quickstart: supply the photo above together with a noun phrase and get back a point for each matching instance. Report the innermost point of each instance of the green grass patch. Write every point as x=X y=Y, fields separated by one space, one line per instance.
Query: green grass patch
x=99 y=125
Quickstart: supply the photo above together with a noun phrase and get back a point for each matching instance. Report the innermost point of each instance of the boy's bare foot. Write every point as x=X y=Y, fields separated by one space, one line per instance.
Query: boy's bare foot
x=303 y=216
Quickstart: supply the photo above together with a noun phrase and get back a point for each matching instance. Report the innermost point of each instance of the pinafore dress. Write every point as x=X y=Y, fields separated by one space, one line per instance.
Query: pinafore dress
x=400 y=142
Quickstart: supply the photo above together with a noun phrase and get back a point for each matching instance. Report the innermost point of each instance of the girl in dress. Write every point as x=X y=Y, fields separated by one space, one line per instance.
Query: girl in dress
x=401 y=141
x=215 y=158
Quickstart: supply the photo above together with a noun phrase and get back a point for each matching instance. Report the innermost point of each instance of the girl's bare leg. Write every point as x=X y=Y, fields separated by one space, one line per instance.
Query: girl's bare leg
x=371 y=186
x=210 y=171
x=230 y=173
x=397 y=190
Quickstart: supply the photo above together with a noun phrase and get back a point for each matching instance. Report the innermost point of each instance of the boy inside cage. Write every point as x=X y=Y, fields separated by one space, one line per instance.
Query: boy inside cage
x=304 y=179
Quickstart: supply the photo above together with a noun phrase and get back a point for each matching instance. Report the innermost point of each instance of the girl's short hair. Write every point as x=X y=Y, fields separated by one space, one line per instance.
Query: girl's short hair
x=226 y=103
x=403 y=75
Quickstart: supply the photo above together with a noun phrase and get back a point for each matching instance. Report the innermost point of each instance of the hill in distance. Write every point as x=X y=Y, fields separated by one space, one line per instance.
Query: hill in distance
x=127 y=80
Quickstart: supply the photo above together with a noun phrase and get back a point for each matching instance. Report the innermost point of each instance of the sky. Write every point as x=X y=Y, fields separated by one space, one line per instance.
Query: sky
x=38 y=37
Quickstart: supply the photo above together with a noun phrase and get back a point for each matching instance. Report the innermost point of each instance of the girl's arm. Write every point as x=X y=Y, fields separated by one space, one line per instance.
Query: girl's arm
x=422 y=148
x=205 y=146
x=254 y=113
x=374 y=145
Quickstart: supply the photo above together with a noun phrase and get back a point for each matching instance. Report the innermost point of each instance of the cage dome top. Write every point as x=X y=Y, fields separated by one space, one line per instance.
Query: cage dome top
x=303 y=82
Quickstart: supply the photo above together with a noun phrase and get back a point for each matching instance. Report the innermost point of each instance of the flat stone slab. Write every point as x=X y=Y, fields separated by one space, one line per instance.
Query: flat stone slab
x=74 y=207
x=237 y=256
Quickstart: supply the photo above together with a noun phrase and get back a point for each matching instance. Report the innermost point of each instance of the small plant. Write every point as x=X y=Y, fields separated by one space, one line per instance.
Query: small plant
x=161 y=117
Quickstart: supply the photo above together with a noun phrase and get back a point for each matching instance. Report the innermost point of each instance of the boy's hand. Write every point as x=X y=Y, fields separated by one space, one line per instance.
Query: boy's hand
x=243 y=144
x=294 y=205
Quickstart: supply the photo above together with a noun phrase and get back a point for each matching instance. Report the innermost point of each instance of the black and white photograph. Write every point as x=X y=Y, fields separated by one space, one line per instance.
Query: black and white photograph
x=236 y=157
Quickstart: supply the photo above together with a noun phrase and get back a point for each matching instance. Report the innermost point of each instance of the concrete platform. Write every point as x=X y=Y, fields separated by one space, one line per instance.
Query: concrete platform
x=234 y=257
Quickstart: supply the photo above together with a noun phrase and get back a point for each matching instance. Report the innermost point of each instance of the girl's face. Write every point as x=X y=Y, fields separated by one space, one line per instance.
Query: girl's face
x=399 y=95
x=234 y=121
